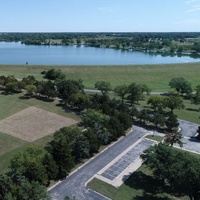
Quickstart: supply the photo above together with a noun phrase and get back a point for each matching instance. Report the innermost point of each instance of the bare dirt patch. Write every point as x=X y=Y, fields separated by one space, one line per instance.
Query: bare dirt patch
x=33 y=123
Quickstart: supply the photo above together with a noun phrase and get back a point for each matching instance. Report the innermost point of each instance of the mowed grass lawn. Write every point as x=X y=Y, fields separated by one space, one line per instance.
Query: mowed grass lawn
x=11 y=104
x=141 y=185
x=156 y=77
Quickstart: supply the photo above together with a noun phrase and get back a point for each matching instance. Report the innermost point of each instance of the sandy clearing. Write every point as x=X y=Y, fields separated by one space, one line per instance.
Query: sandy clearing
x=33 y=123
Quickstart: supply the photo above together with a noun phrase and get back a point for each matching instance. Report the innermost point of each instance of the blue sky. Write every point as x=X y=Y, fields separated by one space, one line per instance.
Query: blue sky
x=99 y=15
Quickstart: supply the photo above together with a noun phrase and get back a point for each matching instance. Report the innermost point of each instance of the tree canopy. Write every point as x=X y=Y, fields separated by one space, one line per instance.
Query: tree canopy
x=177 y=168
x=181 y=85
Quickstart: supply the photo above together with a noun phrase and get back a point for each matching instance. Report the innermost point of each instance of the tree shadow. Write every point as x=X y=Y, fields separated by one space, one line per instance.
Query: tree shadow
x=165 y=94
x=193 y=109
x=149 y=127
x=150 y=185
x=42 y=98
x=9 y=93
x=68 y=109
x=24 y=97
x=146 y=196
x=194 y=139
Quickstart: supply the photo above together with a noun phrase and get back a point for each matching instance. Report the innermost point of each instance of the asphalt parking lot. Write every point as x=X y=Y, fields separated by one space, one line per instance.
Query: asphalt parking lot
x=126 y=160
x=74 y=185
x=188 y=129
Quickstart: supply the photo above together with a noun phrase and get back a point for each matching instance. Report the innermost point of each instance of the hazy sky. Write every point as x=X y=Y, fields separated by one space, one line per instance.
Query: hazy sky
x=99 y=15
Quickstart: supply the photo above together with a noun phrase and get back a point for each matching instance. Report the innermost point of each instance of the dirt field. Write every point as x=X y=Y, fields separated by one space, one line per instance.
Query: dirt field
x=33 y=123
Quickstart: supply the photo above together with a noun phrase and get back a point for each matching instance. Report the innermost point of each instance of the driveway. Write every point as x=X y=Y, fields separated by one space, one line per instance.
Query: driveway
x=74 y=185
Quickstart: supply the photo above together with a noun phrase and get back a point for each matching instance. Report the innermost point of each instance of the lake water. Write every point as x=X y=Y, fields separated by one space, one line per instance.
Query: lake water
x=17 y=53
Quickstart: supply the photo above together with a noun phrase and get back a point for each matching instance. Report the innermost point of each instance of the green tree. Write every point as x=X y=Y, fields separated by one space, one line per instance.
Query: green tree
x=20 y=188
x=102 y=133
x=174 y=102
x=172 y=122
x=181 y=85
x=50 y=165
x=5 y=186
x=92 y=117
x=79 y=144
x=145 y=89
x=180 y=170
x=196 y=47
x=30 y=90
x=157 y=102
x=81 y=148
x=103 y=86
x=115 y=127
x=93 y=140
x=49 y=90
x=53 y=74
x=173 y=138
x=60 y=149
x=67 y=88
x=135 y=92
x=79 y=100
x=133 y=112
x=30 y=164
x=121 y=91
x=29 y=80
x=11 y=87
x=125 y=119
x=144 y=115
x=196 y=97
x=159 y=119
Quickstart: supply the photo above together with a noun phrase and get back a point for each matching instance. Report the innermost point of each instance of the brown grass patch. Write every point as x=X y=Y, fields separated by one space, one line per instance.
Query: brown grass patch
x=33 y=123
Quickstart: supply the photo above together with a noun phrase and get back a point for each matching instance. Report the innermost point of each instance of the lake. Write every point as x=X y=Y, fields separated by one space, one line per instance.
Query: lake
x=17 y=53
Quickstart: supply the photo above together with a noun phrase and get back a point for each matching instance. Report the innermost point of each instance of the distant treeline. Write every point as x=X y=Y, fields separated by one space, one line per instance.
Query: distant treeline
x=173 y=42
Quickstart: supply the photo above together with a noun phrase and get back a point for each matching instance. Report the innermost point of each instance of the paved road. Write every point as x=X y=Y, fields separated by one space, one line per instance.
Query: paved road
x=98 y=91
x=74 y=185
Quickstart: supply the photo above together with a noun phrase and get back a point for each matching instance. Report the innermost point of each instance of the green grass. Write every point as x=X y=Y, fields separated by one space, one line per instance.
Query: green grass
x=9 y=141
x=155 y=137
x=5 y=158
x=9 y=146
x=156 y=77
x=140 y=186
x=14 y=103
x=190 y=113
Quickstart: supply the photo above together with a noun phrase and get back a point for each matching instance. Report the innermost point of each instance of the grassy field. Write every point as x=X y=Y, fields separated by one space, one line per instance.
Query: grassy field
x=11 y=104
x=156 y=77
x=141 y=185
